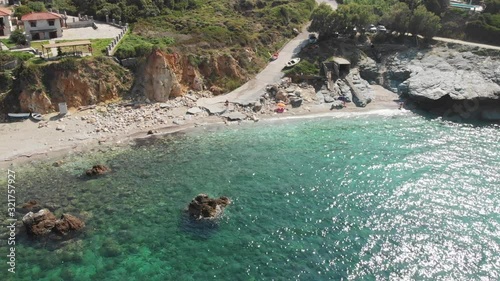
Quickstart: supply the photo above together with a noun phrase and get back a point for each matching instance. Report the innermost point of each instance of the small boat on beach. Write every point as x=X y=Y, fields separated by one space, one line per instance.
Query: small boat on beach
x=292 y=62
x=36 y=116
x=19 y=115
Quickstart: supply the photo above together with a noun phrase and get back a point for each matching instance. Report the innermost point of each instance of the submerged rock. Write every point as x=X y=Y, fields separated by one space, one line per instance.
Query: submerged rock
x=68 y=223
x=204 y=207
x=97 y=170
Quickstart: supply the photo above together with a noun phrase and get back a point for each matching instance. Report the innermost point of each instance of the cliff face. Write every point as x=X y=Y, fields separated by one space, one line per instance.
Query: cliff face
x=80 y=82
x=460 y=82
x=163 y=76
x=76 y=82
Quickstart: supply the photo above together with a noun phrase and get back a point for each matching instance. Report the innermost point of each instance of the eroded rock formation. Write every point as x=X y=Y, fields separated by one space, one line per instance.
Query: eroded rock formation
x=44 y=222
x=68 y=223
x=204 y=207
x=464 y=83
x=78 y=83
x=40 y=223
x=97 y=170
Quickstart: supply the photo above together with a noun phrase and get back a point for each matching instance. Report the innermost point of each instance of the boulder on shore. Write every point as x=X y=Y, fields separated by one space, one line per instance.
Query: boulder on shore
x=97 y=170
x=204 y=207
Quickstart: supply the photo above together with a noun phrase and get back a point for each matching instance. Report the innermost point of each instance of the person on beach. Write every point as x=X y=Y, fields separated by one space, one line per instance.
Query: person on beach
x=226 y=103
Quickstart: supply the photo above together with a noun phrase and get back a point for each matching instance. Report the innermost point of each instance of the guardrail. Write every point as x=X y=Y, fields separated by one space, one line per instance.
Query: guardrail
x=110 y=50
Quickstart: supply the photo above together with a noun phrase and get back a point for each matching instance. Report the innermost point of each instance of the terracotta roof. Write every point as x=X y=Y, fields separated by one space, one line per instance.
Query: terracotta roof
x=41 y=16
x=5 y=12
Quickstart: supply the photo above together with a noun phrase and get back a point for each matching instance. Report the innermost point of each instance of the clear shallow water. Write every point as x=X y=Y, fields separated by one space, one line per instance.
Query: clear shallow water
x=358 y=198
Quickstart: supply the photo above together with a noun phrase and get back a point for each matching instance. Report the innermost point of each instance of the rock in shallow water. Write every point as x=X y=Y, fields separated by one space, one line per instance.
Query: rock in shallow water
x=68 y=223
x=44 y=222
x=40 y=223
x=204 y=207
x=97 y=170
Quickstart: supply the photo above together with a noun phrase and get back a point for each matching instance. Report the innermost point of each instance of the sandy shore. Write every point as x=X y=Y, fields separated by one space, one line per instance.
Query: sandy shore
x=113 y=125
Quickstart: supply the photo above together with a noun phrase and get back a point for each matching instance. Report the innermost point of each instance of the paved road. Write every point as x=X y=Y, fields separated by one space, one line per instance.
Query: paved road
x=252 y=90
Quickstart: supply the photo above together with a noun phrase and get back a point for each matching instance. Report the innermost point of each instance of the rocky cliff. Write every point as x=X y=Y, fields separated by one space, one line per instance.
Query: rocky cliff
x=462 y=82
x=76 y=82
x=162 y=76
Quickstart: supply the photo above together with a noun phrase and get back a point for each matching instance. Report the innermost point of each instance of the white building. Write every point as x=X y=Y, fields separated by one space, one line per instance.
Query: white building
x=5 y=22
x=43 y=25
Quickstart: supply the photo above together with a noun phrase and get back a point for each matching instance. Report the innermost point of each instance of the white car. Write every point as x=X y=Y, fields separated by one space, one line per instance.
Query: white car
x=372 y=29
x=381 y=28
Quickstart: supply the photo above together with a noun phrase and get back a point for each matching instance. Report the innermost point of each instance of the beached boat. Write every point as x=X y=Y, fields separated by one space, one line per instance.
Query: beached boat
x=36 y=116
x=292 y=62
x=19 y=115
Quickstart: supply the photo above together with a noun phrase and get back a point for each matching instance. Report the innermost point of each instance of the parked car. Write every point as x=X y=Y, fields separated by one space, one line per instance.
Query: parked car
x=381 y=28
x=372 y=29
x=312 y=38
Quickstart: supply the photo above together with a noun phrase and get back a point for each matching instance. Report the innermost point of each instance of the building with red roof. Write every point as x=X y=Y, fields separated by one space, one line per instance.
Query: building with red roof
x=6 y=26
x=42 y=25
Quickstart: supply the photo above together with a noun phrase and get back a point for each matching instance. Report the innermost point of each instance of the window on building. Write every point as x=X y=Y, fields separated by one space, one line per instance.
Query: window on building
x=52 y=22
x=33 y=23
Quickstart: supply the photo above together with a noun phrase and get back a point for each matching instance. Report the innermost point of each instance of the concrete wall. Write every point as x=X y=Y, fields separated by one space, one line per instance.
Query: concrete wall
x=43 y=29
x=8 y=28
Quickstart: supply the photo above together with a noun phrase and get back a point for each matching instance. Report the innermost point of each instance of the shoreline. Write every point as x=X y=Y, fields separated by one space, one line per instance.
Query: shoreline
x=26 y=142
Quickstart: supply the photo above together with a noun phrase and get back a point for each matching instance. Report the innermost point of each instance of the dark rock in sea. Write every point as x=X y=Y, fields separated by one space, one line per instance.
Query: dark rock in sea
x=40 y=223
x=97 y=170
x=68 y=223
x=204 y=207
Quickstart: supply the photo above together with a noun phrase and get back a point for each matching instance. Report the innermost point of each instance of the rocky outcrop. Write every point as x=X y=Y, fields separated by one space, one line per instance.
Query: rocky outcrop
x=204 y=207
x=44 y=222
x=68 y=223
x=163 y=76
x=76 y=82
x=448 y=81
x=97 y=170
x=362 y=93
x=40 y=223
x=157 y=79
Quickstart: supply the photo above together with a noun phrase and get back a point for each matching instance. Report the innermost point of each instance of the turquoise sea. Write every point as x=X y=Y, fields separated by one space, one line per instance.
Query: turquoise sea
x=359 y=197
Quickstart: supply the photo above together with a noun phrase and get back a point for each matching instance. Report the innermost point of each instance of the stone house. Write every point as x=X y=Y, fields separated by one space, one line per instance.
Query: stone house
x=5 y=22
x=42 y=25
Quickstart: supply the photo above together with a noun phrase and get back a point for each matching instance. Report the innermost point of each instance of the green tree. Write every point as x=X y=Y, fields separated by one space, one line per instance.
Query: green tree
x=64 y=5
x=492 y=6
x=424 y=23
x=397 y=18
x=21 y=11
x=321 y=21
x=37 y=6
x=17 y=36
